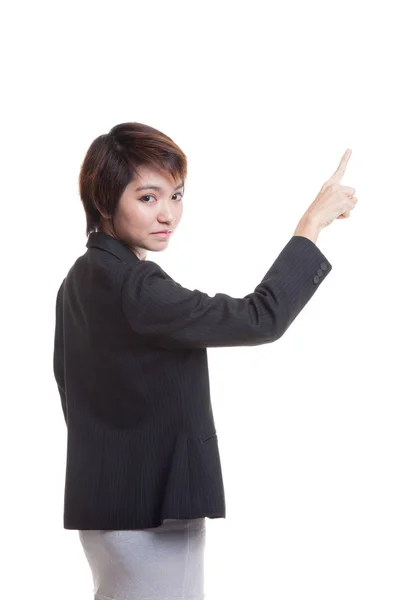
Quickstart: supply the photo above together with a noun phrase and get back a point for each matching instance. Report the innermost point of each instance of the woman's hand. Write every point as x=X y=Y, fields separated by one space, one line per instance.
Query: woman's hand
x=334 y=200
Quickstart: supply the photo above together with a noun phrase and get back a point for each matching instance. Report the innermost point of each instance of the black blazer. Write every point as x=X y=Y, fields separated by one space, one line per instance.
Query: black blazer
x=130 y=361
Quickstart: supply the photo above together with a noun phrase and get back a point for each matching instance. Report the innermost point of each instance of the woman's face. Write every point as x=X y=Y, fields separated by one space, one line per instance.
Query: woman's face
x=142 y=212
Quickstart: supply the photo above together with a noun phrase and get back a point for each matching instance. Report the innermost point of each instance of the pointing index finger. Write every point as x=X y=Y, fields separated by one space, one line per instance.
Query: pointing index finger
x=338 y=174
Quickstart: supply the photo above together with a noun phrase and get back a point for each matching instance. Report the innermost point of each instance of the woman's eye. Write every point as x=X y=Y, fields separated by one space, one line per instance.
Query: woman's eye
x=149 y=196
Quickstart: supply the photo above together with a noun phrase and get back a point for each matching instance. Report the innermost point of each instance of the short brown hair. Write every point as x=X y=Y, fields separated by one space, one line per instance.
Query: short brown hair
x=111 y=161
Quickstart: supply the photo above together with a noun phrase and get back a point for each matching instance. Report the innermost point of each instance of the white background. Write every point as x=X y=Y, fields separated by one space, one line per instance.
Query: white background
x=264 y=98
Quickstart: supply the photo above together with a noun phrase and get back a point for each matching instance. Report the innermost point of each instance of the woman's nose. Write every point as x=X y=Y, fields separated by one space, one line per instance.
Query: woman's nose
x=166 y=214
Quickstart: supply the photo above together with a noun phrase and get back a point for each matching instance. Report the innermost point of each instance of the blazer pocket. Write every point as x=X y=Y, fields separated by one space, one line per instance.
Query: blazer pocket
x=208 y=437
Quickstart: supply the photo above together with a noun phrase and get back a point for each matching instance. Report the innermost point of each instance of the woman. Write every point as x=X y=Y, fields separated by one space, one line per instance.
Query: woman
x=130 y=361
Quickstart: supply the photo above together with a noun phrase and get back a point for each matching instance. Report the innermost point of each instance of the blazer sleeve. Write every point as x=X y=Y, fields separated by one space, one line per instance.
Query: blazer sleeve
x=58 y=354
x=168 y=315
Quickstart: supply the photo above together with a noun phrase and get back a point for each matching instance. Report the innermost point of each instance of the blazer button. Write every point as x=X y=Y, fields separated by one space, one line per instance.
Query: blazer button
x=324 y=266
x=320 y=272
x=316 y=279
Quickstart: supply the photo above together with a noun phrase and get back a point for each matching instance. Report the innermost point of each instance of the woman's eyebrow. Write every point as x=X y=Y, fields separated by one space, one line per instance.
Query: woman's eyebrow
x=155 y=187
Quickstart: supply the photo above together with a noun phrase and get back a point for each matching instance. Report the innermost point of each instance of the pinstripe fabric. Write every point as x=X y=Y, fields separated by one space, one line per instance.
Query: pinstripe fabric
x=130 y=362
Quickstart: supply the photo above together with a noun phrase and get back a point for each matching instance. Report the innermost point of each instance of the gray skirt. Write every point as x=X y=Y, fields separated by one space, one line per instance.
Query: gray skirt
x=160 y=563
